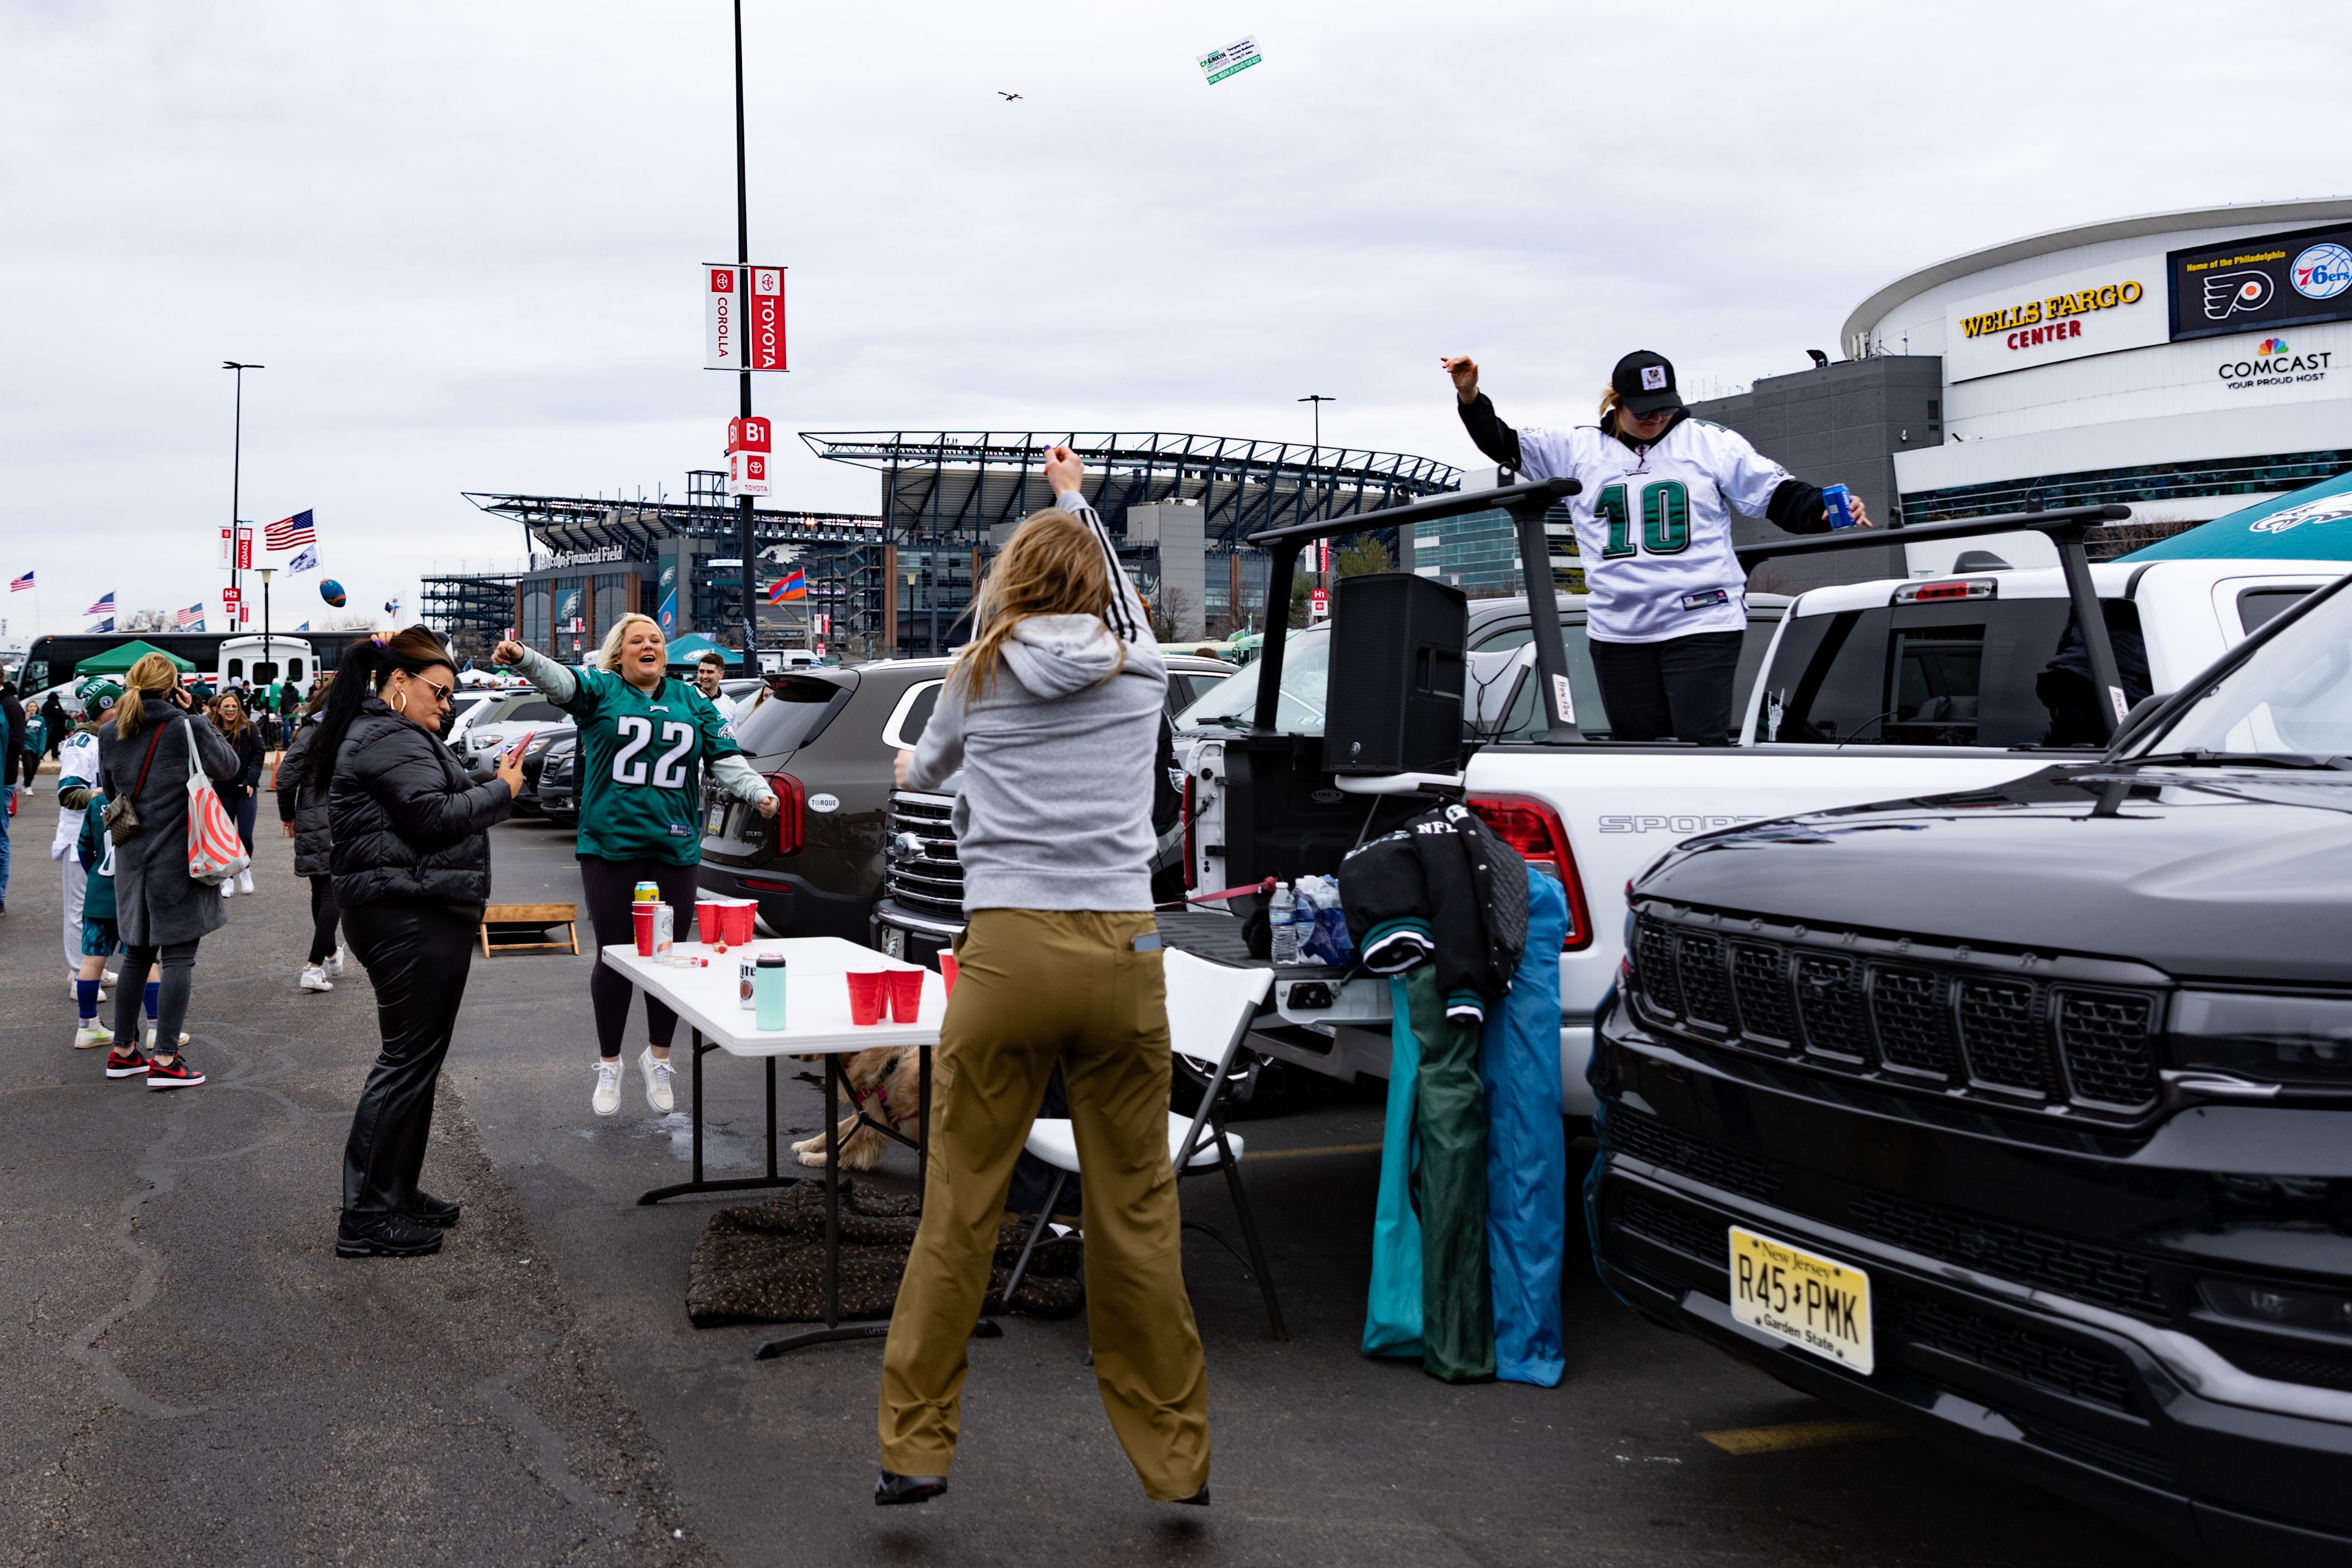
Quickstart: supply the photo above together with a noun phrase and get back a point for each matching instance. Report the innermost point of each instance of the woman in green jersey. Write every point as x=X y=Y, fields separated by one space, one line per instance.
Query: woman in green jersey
x=646 y=742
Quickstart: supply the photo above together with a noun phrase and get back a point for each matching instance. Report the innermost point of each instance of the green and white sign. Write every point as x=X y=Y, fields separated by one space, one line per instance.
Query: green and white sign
x=1238 y=55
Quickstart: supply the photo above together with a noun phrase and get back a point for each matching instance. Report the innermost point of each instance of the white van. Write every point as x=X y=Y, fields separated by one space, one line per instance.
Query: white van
x=249 y=661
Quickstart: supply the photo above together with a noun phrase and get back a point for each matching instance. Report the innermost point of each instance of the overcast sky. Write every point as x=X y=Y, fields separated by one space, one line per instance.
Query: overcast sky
x=464 y=237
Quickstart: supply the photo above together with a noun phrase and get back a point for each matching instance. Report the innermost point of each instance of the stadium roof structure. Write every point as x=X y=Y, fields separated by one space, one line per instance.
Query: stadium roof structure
x=565 y=524
x=946 y=483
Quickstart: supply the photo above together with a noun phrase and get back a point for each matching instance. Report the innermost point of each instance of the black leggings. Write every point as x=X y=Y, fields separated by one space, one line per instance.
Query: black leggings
x=323 y=916
x=417 y=956
x=179 y=979
x=610 y=885
x=1680 y=687
x=32 y=765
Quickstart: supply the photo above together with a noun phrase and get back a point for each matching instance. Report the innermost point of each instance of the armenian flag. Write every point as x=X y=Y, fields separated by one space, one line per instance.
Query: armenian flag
x=794 y=584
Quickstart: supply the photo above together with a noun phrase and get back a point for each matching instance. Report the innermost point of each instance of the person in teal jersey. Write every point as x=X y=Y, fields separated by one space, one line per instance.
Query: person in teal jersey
x=645 y=743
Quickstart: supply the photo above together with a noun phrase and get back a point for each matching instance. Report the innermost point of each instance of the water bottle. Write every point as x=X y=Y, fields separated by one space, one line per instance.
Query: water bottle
x=1284 y=920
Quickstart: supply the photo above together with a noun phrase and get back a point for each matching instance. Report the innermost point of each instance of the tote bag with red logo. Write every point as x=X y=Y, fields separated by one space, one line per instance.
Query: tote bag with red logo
x=215 y=853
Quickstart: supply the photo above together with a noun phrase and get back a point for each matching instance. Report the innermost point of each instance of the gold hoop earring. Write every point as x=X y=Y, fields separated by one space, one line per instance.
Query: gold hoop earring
x=402 y=709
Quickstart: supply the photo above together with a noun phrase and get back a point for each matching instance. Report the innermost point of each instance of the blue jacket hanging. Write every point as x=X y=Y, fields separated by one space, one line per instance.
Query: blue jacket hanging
x=1392 y=1311
x=1527 y=1152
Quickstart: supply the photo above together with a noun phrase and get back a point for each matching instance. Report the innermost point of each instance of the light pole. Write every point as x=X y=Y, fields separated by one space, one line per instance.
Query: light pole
x=744 y=544
x=1318 y=399
x=266 y=661
x=237 y=462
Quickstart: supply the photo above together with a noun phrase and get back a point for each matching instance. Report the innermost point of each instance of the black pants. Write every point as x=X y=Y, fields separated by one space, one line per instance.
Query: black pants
x=1679 y=688
x=416 y=956
x=178 y=979
x=609 y=884
x=323 y=916
x=32 y=767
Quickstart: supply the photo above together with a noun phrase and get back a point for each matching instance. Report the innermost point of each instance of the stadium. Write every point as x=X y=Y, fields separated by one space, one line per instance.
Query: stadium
x=899 y=580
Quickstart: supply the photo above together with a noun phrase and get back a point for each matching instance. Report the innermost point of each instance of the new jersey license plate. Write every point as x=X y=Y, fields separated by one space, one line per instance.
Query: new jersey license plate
x=1815 y=1304
x=714 y=817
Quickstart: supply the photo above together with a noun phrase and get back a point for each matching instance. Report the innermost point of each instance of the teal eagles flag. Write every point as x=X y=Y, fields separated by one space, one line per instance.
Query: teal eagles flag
x=2313 y=523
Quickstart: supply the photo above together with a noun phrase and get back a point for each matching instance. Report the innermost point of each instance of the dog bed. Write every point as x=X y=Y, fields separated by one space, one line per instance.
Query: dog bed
x=765 y=1263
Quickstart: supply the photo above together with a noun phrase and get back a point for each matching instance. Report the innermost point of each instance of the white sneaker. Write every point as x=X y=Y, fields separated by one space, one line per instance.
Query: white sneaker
x=656 y=1072
x=73 y=989
x=151 y=1039
x=244 y=879
x=607 y=1098
x=109 y=977
x=314 y=979
x=334 y=964
x=228 y=889
x=87 y=1036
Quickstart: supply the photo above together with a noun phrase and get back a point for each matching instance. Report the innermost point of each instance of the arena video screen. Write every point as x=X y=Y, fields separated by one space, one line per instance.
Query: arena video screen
x=2269 y=281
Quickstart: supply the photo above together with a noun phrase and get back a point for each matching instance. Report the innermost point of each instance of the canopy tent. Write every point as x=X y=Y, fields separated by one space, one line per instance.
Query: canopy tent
x=118 y=661
x=689 y=649
x=2313 y=523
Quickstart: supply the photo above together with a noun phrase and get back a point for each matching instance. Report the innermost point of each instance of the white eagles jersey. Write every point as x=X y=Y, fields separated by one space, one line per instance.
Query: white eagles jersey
x=1654 y=527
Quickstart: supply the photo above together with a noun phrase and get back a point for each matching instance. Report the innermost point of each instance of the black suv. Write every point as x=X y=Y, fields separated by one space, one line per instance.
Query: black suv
x=2023 y=1118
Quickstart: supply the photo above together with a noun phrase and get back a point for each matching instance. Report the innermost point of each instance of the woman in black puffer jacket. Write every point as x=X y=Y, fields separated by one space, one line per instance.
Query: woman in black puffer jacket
x=411 y=859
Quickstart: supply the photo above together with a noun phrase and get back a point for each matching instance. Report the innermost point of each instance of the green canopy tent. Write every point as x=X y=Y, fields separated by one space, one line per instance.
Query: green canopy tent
x=118 y=661
x=689 y=649
x=2313 y=523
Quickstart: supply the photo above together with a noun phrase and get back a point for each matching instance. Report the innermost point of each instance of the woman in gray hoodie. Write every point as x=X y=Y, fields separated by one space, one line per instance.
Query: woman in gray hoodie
x=1053 y=715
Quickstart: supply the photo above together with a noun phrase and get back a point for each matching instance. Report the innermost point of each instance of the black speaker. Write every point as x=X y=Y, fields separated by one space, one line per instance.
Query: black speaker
x=1395 y=702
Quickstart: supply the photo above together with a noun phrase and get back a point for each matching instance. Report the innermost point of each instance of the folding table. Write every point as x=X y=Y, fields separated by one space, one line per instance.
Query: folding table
x=816 y=1023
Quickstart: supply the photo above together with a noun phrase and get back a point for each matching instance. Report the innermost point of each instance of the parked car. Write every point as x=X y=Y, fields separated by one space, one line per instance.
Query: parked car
x=501 y=723
x=543 y=745
x=2020 y=1118
x=559 y=782
x=461 y=708
x=923 y=907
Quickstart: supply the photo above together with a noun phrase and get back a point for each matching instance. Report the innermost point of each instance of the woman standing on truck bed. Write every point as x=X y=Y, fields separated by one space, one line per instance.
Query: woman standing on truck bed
x=1668 y=604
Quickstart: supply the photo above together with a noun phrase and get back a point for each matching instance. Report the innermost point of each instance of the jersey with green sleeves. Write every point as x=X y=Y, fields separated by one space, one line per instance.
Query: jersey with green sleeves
x=642 y=756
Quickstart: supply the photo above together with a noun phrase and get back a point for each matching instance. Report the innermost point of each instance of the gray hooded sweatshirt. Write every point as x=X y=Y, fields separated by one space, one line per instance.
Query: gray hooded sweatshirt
x=1054 y=808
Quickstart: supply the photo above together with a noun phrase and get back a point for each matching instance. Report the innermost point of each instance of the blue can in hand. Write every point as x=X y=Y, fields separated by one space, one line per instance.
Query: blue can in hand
x=1839 y=501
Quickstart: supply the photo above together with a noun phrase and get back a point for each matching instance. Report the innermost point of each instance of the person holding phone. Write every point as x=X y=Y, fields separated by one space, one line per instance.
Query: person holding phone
x=1666 y=608
x=646 y=742
x=160 y=911
x=1053 y=713
x=410 y=853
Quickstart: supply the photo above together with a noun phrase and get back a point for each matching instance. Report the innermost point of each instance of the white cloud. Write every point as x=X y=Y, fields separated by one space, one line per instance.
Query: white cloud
x=463 y=236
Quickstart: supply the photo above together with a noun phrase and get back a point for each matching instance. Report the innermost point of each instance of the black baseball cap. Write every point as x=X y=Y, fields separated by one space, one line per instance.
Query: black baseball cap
x=1646 y=384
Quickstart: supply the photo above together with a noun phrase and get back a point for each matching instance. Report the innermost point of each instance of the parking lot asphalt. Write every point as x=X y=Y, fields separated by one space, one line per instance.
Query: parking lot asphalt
x=191 y=1376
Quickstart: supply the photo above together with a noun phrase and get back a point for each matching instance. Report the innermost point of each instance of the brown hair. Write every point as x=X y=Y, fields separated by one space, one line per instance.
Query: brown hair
x=235 y=731
x=320 y=686
x=713 y=656
x=154 y=674
x=1609 y=401
x=1051 y=566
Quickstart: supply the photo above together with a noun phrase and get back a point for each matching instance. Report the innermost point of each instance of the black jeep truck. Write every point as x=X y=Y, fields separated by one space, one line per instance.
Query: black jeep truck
x=2021 y=1119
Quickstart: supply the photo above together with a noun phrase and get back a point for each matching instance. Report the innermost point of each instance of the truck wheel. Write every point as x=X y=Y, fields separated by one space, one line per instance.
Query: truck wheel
x=1256 y=1087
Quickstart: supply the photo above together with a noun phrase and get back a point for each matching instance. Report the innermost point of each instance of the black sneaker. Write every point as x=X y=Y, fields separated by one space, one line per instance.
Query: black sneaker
x=426 y=1210
x=131 y=1063
x=384 y=1236
x=179 y=1073
x=892 y=1490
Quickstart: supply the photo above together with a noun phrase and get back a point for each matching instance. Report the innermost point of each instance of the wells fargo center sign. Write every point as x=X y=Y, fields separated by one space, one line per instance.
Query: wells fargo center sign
x=2118 y=305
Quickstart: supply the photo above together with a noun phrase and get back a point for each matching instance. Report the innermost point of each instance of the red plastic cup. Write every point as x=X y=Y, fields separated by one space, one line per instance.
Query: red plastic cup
x=643 y=914
x=906 y=995
x=741 y=913
x=866 y=992
x=948 y=971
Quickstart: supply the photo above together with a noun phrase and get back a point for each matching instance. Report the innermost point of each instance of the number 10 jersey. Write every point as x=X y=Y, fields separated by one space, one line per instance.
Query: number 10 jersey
x=642 y=757
x=1654 y=524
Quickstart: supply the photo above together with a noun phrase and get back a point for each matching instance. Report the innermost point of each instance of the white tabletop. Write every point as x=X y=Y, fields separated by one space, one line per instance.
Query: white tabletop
x=816 y=996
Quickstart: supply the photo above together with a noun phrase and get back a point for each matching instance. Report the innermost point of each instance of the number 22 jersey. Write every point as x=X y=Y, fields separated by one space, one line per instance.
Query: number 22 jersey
x=642 y=758
x=1654 y=524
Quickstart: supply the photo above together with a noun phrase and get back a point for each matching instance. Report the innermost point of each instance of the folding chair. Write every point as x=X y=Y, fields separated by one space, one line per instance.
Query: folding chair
x=1209 y=1010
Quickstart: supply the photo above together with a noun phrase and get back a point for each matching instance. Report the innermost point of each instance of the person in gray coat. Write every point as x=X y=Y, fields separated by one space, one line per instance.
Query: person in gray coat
x=161 y=911
x=302 y=816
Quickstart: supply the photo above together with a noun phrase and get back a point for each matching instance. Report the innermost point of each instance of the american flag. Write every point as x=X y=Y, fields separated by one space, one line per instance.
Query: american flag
x=291 y=533
x=19 y=584
x=105 y=606
x=193 y=615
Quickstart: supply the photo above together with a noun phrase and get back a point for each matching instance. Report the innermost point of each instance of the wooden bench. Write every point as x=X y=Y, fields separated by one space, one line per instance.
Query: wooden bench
x=533 y=919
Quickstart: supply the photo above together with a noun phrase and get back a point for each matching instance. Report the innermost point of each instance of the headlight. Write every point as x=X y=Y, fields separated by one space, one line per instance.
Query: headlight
x=2324 y=1311
x=2291 y=1041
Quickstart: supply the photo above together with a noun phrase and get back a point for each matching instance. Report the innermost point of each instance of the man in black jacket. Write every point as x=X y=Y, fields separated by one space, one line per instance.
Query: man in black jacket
x=12 y=719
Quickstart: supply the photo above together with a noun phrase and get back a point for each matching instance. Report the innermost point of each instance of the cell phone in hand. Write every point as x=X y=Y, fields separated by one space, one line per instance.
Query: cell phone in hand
x=520 y=747
x=1839 y=501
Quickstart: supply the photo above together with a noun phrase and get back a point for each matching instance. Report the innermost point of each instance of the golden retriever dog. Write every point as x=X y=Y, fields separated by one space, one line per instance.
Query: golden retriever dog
x=887 y=1084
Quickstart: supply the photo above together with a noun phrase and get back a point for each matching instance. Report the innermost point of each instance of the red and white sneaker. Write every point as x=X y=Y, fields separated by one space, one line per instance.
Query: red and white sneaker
x=180 y=1074
x=122 y=1063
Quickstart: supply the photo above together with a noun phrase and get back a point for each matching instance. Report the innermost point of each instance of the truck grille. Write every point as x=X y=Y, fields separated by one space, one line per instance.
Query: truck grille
x=2020 y=1042
x=1648 y=1139
x=2026 y=1354
x=930 y=880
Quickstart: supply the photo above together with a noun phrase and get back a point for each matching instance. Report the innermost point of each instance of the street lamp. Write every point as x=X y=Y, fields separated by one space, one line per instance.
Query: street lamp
x=267 y=663
x=237 y=462
x=1318 y=399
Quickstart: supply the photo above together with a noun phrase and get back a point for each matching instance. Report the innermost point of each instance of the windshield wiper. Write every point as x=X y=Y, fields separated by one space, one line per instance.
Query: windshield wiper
x=2202 y=759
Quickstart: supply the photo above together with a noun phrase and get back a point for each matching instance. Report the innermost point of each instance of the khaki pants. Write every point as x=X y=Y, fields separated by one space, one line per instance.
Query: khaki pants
x=1035 y=987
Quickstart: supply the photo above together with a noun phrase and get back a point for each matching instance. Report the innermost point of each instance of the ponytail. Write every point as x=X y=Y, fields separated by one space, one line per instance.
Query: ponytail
x=361 y=673
x=1609 y=401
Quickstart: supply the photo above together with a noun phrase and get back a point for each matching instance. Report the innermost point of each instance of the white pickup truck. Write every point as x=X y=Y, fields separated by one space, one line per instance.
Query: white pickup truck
x=1864 y=692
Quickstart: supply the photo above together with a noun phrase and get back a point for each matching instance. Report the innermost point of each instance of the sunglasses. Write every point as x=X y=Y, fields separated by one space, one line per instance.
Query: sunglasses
x=443 y=695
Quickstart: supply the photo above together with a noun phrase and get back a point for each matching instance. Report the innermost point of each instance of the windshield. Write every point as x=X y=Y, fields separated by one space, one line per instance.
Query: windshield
x=792 y=714
x=1305 y=680
x=2292 y=696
